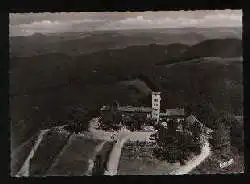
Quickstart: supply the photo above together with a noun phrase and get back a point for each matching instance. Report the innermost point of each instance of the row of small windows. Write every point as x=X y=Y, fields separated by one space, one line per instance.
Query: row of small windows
x=156 y=100
x=156 y=105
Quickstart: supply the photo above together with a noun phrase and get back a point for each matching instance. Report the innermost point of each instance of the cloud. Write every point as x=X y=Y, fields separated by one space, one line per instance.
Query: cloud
x=221 y=16
x=55 y=24
x=210 y=20
x=49 y=26
x=43 y=24
x=139 y=22
x=220 y=19
x=136 y=20
x=61 y=22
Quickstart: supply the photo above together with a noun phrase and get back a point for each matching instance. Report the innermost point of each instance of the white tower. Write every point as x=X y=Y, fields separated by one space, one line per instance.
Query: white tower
x=156 y=98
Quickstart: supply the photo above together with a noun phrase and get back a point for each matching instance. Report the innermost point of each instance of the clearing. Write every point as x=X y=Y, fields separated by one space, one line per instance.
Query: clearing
x=49 y=148
x=19 y=155
x=74 y=161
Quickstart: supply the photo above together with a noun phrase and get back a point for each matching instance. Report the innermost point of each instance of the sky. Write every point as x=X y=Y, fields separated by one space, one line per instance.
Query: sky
x=24 y=24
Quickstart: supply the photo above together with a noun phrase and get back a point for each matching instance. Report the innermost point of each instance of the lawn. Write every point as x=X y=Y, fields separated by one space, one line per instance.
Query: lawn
x=74 y=159
x=138 y=160
x=19 y=155
x=47 y=151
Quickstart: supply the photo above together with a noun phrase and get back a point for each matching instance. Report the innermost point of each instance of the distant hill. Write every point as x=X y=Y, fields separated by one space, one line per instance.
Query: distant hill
x=224 y=48
x=214 y=80
x=215 y=48
x=51 y=73
x=75 y=43
x=44 y=85
x=176 y=49
x=173 y=53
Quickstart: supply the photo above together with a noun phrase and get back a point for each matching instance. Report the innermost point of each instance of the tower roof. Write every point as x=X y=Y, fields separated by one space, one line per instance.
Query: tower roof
x=156 y=92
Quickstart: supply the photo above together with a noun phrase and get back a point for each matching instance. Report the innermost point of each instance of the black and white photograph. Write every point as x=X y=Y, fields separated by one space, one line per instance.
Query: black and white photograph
x=126 y=93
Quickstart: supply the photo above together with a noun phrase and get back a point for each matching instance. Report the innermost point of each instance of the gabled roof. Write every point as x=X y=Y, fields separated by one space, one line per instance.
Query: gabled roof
x=164 y=124
x=175 y=112
x=239 y=118
x=135 y=109
x=103 y=108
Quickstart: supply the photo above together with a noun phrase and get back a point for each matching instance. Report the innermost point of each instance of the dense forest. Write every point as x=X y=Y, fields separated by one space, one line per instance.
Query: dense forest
x=43 y=87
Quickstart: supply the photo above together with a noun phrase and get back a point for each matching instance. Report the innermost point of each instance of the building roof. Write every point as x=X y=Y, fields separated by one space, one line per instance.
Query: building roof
x=164 y=124
x=135 y=109
x=103 y=108
x=239 y=118
x=156 y=93
x=145 y=127
x=175 y=112
x=192 y=119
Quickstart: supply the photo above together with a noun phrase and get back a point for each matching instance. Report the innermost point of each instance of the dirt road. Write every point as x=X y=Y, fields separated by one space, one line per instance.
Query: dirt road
x=92 y=160
x=99 y=134
x=193 y=163
x=24 y=171
x=114 y=157
x=123 y=136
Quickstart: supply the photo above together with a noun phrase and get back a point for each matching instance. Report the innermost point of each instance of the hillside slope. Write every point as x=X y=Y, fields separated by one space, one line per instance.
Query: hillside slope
x=73 y=43
x=214 y=80
x=42 y=87
x=215 y=48
x=224 y=48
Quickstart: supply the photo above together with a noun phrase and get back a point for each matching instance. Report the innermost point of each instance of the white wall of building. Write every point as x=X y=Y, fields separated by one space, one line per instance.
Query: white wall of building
x=156 y=105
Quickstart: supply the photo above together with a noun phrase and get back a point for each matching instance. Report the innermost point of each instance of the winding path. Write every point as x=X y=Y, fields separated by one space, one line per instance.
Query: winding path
x=92 y=161
x=24 y=171
x=123 y=136
x=99 y=134
x=193 y=163
x=114 y=157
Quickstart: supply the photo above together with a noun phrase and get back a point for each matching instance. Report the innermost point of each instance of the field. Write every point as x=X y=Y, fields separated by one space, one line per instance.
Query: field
x=137 y=159
x=19 y=155
x=48 y=150
x=101 y=159
x=74 y=159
